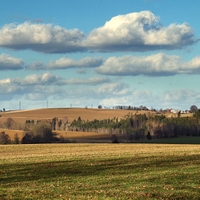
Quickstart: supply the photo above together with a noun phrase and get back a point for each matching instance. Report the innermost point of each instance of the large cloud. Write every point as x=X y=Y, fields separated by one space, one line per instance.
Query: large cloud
x=154 y=65
x=139 y=32
x=41 y=37
x=8 y=62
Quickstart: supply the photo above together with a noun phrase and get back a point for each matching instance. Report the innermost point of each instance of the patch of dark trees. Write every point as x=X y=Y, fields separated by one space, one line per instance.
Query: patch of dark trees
x=142 y=126
x=43 y=133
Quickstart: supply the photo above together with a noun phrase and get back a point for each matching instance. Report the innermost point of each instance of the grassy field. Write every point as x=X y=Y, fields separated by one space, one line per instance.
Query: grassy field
x=100 y=171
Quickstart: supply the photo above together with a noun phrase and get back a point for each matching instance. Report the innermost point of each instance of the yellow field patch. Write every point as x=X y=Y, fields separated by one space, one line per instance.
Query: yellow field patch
x=12 y=133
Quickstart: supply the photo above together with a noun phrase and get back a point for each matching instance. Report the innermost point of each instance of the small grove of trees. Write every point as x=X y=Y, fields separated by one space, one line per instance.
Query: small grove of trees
x=4 y=138
x=55 y=123
x=40 y=133
x=9 y=123
x=35 y=131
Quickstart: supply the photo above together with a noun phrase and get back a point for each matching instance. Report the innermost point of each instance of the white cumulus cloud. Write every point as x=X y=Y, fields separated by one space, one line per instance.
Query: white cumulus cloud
x=153 y=65
x=139 y=31
x=40 y=37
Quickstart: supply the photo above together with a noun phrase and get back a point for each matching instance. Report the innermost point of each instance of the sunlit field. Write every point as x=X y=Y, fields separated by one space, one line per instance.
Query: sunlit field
x=100 y=171
x=21 y=116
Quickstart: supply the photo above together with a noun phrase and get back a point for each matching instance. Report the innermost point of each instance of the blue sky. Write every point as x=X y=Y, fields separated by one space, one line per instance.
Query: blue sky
x=88 y=53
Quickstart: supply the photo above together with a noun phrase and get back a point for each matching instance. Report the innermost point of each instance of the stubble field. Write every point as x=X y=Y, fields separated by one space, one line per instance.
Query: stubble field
x=100 y=171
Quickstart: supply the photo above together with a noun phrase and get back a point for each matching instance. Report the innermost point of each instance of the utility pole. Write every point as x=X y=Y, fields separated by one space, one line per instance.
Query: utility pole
x=47 y=104
x=19 y=105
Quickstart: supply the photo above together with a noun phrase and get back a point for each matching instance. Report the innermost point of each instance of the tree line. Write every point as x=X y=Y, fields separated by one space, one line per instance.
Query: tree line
x=39 y=131
x=133 y=127
x=141 y=126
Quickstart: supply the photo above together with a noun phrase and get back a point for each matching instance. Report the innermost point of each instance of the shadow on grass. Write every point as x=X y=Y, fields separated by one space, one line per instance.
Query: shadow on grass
x=11 y=173
x=176 y=140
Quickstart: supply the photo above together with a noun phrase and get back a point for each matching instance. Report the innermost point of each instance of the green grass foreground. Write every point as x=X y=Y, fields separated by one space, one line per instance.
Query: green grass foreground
x=100 y=171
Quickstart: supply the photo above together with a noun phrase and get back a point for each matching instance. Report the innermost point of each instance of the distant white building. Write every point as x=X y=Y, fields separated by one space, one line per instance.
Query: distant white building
x=175 y=111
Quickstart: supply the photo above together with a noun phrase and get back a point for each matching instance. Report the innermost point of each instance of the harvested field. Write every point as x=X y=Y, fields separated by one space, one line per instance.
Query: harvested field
x=73 y=113
x=70 y=135
x=70 y=113
x=11 y=133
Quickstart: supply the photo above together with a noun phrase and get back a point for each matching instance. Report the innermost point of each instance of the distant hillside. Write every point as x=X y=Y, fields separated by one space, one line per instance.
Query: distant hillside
x=71 y=113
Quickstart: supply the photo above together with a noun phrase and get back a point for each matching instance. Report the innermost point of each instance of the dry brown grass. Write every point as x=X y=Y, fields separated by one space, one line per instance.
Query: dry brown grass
x=12 y=133
x=67 y=134
x=70 y=113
